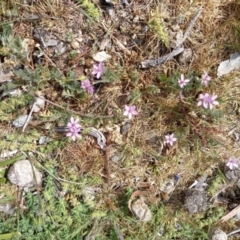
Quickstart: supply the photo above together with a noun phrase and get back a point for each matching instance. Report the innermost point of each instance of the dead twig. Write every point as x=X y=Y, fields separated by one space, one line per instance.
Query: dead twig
x=177 y=50
x=80 y=55
x=155 y=62
x=107 y=164
x=75 y=112
x=186 y=33
x=231 y=214
x=118 y=231
x=29 y=117
x=234 y=232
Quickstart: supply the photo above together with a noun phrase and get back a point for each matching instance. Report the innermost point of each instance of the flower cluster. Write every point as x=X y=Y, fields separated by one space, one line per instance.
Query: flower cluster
x=74 y=128
x=232 y=163
x=206 y=100
x=98 y=70
x=183 y=82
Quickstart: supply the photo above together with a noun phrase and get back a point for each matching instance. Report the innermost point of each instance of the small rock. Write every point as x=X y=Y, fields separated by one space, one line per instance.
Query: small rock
x=16 y=92
x=51 y=43
x=141 y=210
x=39 y=104
x=167 y=186
x=61 y=48
x=186 y=56
x=195 y=201
x=21 y=174
x=43 y=140
x=233 y=175
x=125 y=128
x=5 y=154
x=111 y=12
x=218 y=234
x=145 y=29
x=6 y=208
x=114 y=158
x=75 y=45
x=229 y=65
x=6 y=77
x=176 y=38
x=20 y=121
x=101 y=56
x=88 y=194
x=116 y=136
x=161 y=232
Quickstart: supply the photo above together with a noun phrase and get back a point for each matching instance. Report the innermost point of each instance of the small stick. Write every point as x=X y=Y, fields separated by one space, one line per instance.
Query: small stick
x=29 y=116
x=231 y=214
x=107 y=165
x=75 y=112
x=234 y=232
x=154 y=62
x=80 y=55
x=118 y=231
x=58 y=178
x=186 y=33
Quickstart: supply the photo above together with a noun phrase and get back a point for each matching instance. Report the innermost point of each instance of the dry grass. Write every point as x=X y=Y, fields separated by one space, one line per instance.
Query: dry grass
x=141 y=158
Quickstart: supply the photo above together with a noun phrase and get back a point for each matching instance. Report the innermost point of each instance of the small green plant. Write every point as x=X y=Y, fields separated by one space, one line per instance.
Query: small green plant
x=216 y=183
x=90 y=8
x=157 y=26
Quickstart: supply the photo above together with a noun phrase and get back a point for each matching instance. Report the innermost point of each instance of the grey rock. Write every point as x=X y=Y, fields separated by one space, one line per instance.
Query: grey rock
x=114 y=158
x=186 y=56
x=141 y=210
x=233 y=175
x=6 y=208
x=218 y=234
x=51 y=43
x=195 y=201
x=61 y=48
x=229 y=65
x=24 y=175
x=43 y=140
x=125 y=128
x=20 y=121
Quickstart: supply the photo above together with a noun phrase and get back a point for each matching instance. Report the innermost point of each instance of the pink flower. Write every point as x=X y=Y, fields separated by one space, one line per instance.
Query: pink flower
x=130 y=111
x=74 y=123
x=170 y=139
x=205 y=79
x=98 y=70
x=74 y=128
x=183 y=82
x=86 y=85
x=232 y=163
x=207 y=101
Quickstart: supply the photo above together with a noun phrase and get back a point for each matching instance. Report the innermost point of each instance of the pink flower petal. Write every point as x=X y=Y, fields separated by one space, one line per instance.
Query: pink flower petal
x=205 y=104
x=69 y=134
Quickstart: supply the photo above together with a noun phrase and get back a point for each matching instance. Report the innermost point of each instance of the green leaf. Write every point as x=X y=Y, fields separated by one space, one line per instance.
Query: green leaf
x=11 y=160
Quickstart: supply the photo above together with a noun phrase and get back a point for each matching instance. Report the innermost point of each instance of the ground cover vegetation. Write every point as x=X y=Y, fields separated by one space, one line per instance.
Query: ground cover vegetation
x=123 y=143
